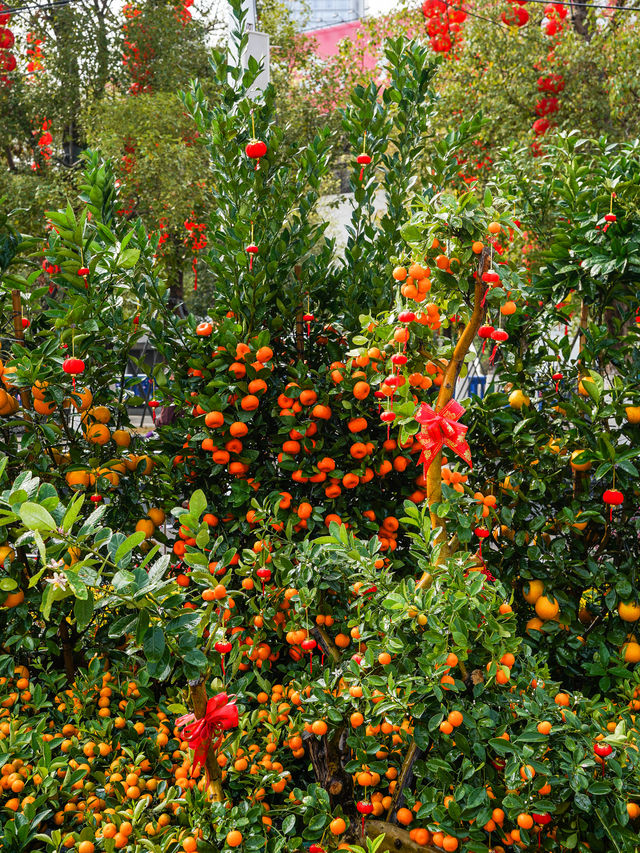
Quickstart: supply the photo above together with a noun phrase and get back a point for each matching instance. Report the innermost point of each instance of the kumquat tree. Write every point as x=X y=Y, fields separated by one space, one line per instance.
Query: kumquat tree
x=348 y=560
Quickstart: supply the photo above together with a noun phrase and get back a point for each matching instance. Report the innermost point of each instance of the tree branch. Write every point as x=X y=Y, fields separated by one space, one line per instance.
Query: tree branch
x=199 y=704
x=447 y=389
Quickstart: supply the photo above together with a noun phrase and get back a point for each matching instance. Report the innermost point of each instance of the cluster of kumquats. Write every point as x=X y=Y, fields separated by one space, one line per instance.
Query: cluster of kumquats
x=322 y=427
x=98 y=760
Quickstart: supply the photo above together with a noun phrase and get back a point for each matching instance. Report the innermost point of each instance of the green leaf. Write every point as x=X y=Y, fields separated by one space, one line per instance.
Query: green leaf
x=394 y=602
x=77 y=585
x=154 y=644
x=128 y=258
x=36 y=517
x=289 y=824
x=197 y=504
x=128 y=545
x=83 y=610
x=73 y=510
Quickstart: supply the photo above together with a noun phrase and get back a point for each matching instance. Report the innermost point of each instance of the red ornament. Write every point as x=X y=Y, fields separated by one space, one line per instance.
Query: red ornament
x=25 y=323
x=364 y=808
x=222 y=649
x=95 y=499
x=153 y=405
x=73 y=366
x=557 y=377
x=499 y=336
x=264 y=575
x=440 y=428
x=363 y=160
x=406 y=317
x=603 y=751
x=542 y=819
x=612 y=497
x=485 y=332
x=251 y=250
x=220 y=716
x=308 y=318
x=255 y=150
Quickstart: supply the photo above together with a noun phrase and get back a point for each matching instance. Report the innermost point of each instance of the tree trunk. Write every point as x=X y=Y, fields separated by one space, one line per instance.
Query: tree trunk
x=579 y=20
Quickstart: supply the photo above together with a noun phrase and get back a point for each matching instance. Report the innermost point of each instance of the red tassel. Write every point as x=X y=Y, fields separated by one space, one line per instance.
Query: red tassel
x=493 y=354
x=250 y=262
x=310 y=663
x=361 y=174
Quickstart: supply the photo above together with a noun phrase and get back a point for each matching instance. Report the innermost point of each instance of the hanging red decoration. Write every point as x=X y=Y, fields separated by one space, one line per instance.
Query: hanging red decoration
x=363 y=159
x=309 y=645
x=308 y=319
x=485 y=333
x=223 y=649
x=73 y=366
x=251 y=250
x=499 y=336
x=364 y=808
x=220 y=716
x=255 y=150
x=265 y=576
x=612 y=497
x=440 y=429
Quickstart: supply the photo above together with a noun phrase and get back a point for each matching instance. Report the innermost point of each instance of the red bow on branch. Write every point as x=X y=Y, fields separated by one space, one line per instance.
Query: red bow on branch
x=220 y=716
x=440 y=428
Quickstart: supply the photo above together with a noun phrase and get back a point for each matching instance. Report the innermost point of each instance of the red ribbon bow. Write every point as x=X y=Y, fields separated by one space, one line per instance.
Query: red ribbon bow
x=440 y=428
x=220 y=716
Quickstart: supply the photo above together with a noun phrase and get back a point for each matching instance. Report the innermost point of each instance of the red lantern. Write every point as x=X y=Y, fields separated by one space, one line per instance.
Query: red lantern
x=612 y=497
x=222 y=649
x=364 y=808
x=255 y=150
x=251 y=250
x=73 y=366
x=499 y=336
x=363 y=160
x=485 y=333
x=556 y=378
x=265 y=575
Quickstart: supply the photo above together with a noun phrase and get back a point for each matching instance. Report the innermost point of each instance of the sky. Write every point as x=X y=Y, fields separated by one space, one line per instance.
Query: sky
x=378 y=7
